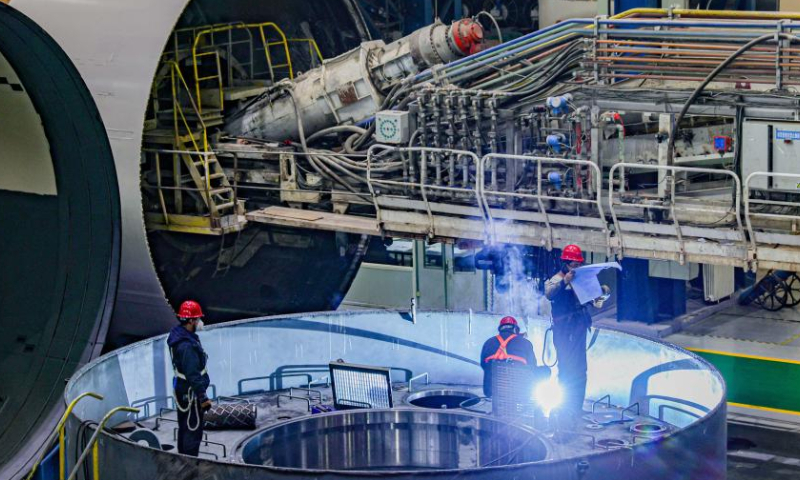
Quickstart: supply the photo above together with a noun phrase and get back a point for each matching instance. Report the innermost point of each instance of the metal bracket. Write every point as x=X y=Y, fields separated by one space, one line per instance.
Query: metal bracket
x=292 y=397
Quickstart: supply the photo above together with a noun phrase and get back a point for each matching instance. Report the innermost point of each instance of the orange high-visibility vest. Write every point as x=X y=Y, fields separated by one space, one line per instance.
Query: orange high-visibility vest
x=502 y=354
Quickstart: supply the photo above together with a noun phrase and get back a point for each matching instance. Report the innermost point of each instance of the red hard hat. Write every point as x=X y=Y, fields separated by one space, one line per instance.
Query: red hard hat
x=190 y=309
x=572 y=253
x=508 y=321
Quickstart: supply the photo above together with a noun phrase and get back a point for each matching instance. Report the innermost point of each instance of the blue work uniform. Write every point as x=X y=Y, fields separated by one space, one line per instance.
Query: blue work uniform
x=191 y=382
x=571 y=322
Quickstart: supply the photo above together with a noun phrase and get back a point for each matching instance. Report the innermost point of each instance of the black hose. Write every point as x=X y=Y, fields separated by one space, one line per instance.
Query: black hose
x=710 y=78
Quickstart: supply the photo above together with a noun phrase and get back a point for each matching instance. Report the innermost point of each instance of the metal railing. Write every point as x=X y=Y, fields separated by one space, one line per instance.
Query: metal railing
x=469 y=189
x=671 y=205
x=793 y=215
x=540 y=196
x=416 y=188
x=93 y=447
x=179 y=84
x=266 y=43
x=313 y=48
x=60 y=432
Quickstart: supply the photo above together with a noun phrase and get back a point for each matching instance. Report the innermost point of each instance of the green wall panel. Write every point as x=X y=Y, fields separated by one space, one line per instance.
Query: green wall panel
x=759 y=382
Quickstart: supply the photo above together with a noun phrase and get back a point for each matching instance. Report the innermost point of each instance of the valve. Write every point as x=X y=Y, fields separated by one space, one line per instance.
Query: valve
x=560 y=104
x=556 y=141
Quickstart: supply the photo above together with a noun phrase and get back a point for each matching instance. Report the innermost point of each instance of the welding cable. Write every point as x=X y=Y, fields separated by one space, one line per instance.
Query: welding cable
x=494 y=22
x=348 y=143
x=323 y=165
x=710 y=78
x=355 y=164
x=320 y=168
x=81 y=442
x=335 y=129
x=340 y=166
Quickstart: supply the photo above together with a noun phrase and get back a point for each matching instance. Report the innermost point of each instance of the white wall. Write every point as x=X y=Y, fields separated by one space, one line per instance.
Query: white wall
x=554 y=11
x=25 y=164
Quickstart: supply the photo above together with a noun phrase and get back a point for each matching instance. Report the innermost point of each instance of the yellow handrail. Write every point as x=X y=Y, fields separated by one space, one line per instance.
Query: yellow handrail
x=266 y=44
x=59 y=430
x=177 y=110
x=93 y=446
x=312 y=47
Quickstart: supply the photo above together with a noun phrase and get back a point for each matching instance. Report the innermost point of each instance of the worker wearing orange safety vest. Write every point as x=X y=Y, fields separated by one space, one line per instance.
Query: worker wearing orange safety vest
x=506 y=346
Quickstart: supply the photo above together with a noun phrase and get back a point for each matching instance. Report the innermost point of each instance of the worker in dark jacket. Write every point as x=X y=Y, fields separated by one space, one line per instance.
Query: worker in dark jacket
x=191 y=379
x=571 y=322
x=506 y=346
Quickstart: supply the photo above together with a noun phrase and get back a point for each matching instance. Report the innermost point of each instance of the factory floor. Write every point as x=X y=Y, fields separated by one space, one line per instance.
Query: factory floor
x=756 y=453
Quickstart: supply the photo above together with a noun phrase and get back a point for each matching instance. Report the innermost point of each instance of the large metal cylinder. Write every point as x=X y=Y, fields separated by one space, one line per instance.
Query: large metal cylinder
x=350 y=88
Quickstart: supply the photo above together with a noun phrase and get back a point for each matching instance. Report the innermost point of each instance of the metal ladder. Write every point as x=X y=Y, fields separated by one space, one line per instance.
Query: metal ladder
x=210 y=180
x=226 y=255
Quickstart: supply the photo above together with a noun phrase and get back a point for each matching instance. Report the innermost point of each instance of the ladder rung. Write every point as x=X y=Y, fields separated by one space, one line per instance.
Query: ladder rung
x=208 y=78
x=215 y=176
x=223 y=206
x=210 y=161
x=217 y=191
x=269 y=44
x=281 y=65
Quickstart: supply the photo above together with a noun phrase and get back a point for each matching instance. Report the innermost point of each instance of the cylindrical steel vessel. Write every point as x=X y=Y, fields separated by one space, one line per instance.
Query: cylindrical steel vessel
x=667 y=382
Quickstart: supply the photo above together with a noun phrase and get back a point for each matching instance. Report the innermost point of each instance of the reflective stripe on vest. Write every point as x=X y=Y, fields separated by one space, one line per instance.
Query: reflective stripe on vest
x=502 y=353
x=182 y=376
x=175 y=369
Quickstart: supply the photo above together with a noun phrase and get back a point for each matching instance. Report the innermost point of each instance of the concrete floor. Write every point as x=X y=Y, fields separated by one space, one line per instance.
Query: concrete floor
x=756 y=453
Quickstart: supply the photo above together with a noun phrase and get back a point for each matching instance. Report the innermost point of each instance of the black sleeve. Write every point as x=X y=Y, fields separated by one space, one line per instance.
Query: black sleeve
x=486 y=352
x=530 y=356
x=190 y=361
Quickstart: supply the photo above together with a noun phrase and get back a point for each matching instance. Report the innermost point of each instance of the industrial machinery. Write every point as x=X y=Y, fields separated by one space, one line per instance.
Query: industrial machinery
x=211 y=179
x=653 y=135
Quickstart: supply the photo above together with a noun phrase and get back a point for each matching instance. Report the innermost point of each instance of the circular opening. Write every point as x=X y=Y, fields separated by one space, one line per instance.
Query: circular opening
x=443 y=399
x=200 y=245
x=648 y=428
x=609 y=443
x=393 y=440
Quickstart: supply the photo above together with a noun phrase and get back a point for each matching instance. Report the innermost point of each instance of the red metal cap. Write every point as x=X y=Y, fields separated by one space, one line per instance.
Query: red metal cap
x=190 y=309
x=467 y=35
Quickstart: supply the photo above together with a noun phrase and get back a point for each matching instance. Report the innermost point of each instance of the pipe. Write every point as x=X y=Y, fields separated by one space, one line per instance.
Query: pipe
x=621 y=18
x=494 y=22
x=710 y=78
x=335 y=129
x=680 y=78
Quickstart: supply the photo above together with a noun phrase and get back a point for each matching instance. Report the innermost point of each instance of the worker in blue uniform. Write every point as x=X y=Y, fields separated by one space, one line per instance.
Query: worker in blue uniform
x=191 y=378
x=571 y=322
x=507 y=346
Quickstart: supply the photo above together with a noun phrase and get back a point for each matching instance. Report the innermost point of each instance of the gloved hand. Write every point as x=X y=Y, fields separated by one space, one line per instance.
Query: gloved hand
x=599 y=301
x=206 y=406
